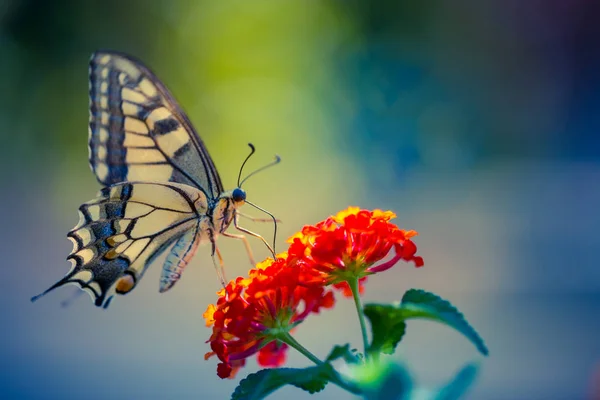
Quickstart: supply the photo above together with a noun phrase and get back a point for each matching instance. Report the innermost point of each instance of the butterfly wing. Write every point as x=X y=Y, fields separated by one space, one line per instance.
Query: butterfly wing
x=137 y=131
x=121 y=231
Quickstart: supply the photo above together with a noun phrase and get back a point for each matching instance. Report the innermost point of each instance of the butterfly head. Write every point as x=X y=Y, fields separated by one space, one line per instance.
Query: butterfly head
x=238 y=196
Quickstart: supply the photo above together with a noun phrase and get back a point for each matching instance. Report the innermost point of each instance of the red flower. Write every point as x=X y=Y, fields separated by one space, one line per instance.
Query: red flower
x=252 y=313
x=346 y=246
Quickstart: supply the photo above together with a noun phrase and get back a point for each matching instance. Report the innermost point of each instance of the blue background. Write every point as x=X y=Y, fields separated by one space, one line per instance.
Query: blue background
x=476 y=122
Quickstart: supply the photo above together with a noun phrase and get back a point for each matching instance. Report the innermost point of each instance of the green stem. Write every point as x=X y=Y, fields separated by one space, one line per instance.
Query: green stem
x=359 y=310
x=290 y=341
x=334 y=376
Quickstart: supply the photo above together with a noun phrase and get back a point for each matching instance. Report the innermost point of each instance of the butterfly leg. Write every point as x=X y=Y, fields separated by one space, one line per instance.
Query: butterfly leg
x=256 y=235
x=246 y=244
x=219 y=265
x=254 y=219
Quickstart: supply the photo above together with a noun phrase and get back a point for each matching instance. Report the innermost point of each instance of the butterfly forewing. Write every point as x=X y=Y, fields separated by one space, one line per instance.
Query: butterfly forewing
x=122 y=230
x=137 y=132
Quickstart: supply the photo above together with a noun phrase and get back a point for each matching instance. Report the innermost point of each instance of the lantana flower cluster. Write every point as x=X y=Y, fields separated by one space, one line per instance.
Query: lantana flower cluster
x=255 y=315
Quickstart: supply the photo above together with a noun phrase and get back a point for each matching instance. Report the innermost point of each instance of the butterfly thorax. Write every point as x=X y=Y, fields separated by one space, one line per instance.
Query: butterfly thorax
x=223 y=212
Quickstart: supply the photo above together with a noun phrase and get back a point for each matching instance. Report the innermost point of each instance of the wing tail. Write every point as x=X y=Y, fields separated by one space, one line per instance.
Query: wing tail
x=58 y=284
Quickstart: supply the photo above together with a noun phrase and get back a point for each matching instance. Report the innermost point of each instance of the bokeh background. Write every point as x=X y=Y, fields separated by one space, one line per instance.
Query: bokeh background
x=476 y=122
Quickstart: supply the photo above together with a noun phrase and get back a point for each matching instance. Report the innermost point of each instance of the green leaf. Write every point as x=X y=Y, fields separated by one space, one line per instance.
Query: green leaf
x=264 y=382
x=418 y=303
x=388 y=320
x=387 y=327
x=458 y=386
x=344 y=352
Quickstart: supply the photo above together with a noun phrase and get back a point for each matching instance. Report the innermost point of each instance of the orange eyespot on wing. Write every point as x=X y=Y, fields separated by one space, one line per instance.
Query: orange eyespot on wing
x=125 y=284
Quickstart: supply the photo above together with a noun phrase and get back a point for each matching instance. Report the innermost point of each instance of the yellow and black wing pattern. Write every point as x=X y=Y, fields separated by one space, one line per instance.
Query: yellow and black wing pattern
x=137 y=131
x=123 y=229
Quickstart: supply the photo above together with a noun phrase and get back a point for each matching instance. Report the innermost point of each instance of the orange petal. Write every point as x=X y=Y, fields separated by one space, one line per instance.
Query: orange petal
x=209 y=315
x=341 y=216
x=384 y=215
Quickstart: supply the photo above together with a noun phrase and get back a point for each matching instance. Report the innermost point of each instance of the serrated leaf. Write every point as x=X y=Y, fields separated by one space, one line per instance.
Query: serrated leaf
x=388 y=320
x=264 y=382
x=343 y=352
x=417 y=303
x=457 y=387
x=338 y=351
x=387 y=327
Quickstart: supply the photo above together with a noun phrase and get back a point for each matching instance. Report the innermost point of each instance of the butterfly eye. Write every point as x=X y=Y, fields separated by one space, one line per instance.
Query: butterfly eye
x=238 y=195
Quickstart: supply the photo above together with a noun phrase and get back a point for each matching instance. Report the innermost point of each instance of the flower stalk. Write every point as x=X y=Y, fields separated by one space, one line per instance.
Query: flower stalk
x=353 y=283
x=293 y=343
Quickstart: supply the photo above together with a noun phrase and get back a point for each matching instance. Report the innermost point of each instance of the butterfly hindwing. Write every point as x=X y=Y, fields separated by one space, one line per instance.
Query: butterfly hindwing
x=137 y=131
x=121 y=231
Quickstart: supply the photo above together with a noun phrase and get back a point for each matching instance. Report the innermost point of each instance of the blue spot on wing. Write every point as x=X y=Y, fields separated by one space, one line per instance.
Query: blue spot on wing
x=117 y=173
x=102 y=229
x=115 y=210
x=126 y=192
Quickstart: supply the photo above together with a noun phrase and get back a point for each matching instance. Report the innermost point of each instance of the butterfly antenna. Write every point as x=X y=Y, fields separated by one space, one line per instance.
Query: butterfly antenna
x=274 y=222
x=252 y=150
x=269 y=165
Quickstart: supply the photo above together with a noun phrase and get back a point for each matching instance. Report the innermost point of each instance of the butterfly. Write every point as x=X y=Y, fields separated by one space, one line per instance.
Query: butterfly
x=160 y=186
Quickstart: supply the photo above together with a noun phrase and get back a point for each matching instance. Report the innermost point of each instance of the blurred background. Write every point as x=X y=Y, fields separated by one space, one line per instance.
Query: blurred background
x=476 y=122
